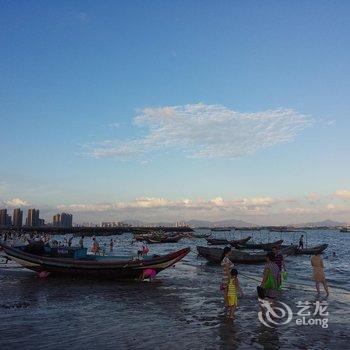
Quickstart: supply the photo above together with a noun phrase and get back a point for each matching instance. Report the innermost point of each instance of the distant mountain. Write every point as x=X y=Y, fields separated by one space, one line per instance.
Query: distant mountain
x=199 y=223
x=222 y=223
x=233 y=223
x=324 y=223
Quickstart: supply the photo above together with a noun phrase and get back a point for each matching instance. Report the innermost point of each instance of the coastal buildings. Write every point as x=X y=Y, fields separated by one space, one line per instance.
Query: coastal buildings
x=33 y=219
x=62 y=220
x=56 y=220
x=17 y=218
x=114 y=224
x=5 y=219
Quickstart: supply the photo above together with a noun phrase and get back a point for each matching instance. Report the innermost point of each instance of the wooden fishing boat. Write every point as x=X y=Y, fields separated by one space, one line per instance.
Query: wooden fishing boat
x=217 y=241
x=142 y=237
x=312 y=250
x=163 y=239
x=259 y=245
x=201 y=235
x=214 y=255
x=282 y=246
x=76 y=262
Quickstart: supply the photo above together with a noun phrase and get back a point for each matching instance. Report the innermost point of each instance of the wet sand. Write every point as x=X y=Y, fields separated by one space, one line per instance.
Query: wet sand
x=183 y=309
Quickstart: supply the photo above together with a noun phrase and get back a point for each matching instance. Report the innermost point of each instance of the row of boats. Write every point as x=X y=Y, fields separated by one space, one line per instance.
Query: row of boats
x=76 y=261
x=240 y=256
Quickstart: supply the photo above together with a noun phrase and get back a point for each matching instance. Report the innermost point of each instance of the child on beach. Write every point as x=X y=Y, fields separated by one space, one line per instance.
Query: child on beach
x=233 y=288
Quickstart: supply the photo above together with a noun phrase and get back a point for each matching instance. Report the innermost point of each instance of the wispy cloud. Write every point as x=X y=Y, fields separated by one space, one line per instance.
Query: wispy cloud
x=16 y=202
x=343 y=194
x=242 y=205
x=205 y=131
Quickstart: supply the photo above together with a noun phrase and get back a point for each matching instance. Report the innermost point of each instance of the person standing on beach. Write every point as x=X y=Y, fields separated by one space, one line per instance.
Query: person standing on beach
x=95 y=246
x=272 y=277
x=233 y=288
x=301 y=242
x=81 y=242
x=279 y=259
x=227 y=265
x=318 y=273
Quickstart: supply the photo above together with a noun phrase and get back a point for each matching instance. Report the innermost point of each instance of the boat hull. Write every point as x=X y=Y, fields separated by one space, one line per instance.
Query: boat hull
x=265 y=246
x=312 y=250
x=214 y=255
x=217 y=241
x=107 y=268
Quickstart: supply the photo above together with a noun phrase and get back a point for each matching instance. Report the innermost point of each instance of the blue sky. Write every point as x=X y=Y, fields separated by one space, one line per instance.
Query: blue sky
x=75 y=74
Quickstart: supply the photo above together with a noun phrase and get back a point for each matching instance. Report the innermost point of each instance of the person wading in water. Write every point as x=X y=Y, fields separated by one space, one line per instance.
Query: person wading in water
x=227 y=265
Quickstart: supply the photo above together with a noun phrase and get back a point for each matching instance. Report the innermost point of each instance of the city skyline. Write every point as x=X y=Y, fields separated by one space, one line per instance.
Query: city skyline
x=202 y=111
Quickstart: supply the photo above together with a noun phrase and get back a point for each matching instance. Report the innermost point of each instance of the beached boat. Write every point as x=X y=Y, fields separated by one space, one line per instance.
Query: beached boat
x=214 y=255
x=76 y=262
x=312 y=250
x=217 y=241
x=259 y=245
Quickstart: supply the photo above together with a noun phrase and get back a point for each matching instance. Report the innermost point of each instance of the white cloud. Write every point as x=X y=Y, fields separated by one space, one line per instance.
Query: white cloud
x=245 y=205
x=344 y=194
x=15 y=202
x=300 y=210
x=205 y=131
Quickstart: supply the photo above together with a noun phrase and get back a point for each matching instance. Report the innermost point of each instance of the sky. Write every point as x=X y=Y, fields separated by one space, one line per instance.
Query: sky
x=176 y=110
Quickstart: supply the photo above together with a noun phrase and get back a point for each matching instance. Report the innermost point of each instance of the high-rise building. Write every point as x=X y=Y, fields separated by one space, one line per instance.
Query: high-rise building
x=56 y=220
x=62 y=220
x=33 y=219
x=3 y=215
x=17 y=218
x=5 y=219
x=66 y=220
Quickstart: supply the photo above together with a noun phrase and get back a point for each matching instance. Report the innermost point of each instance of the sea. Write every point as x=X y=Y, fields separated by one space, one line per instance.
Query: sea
x=183 y=308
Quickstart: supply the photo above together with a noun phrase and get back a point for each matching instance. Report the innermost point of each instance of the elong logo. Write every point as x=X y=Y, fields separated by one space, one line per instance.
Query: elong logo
x=277 y=313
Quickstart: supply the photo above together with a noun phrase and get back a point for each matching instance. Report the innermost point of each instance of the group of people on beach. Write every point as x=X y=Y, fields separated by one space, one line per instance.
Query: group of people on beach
x=271 y=284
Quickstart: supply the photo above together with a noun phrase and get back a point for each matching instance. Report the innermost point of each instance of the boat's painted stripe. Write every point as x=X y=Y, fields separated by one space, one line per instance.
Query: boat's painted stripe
x=25 y=263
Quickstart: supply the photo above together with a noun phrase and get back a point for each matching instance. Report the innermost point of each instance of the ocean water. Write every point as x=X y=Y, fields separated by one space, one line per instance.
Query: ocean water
x=182 y=309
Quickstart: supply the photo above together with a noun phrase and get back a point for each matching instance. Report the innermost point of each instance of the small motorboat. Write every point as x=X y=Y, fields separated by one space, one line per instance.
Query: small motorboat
x=218 y=241
x=76 y=262
x=312 y=250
